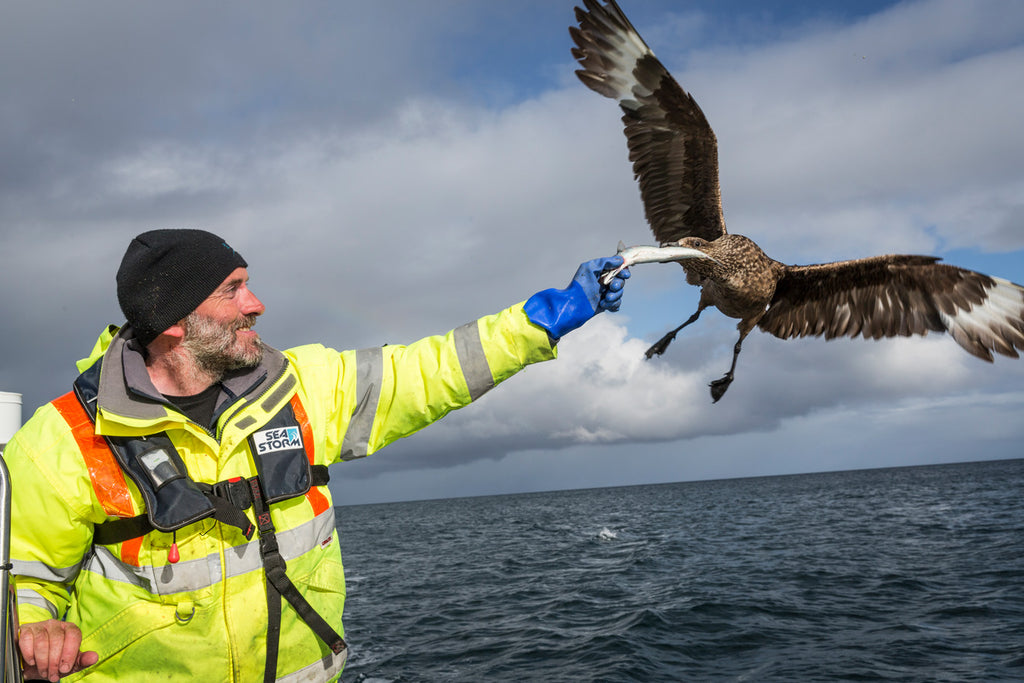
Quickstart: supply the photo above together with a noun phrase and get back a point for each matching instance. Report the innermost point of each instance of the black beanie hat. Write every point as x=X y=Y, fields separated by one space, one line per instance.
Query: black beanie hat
x=166 y=274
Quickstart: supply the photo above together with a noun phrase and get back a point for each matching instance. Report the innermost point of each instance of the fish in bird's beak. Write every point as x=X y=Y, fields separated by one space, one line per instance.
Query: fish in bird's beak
x=647 y=254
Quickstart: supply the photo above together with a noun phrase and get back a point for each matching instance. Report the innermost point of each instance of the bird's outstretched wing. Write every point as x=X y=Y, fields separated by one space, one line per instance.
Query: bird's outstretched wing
x=672 y=147
x=888 y=296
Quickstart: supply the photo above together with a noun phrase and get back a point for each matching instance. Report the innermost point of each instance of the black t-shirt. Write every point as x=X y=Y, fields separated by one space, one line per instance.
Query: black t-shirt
x=198 y=407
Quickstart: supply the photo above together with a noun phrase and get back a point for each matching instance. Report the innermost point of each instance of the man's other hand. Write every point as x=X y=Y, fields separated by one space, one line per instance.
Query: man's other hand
x=49 y=650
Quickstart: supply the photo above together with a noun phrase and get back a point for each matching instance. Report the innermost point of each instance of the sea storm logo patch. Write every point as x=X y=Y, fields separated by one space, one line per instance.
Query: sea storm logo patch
x=273 y=440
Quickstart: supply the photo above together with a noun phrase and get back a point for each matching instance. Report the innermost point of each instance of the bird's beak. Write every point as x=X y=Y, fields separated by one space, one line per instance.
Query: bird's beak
x=686 y=253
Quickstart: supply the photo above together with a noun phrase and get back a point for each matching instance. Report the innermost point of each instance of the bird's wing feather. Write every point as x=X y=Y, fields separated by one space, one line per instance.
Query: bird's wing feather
x=888 y=296
x=672 y=147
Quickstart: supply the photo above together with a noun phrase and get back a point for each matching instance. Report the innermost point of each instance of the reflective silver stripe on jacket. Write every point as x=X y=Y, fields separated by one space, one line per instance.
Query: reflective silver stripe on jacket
x=320 y=670
x=369 y=375
x=472 y=360
x=293 y=542
x=165 y=580
x=44 y=572
x=27 y=596
x=197 y=574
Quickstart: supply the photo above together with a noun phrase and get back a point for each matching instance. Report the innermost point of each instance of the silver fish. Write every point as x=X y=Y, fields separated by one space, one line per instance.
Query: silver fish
x=646 y=254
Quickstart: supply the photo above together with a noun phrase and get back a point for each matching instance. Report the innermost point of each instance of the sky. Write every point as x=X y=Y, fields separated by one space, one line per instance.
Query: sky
x=392 y=170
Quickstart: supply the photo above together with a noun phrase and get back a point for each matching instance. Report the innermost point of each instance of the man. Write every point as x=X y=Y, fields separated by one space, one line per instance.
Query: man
x=170 y=515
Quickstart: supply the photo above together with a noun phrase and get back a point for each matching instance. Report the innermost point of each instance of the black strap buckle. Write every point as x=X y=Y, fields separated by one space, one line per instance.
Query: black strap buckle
x=229 y=499
x=235 y=491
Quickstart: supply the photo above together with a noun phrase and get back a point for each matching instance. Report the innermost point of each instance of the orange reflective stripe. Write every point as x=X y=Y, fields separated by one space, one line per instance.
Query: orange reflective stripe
x=315 y=496
x=130 y=551
x=104 y=471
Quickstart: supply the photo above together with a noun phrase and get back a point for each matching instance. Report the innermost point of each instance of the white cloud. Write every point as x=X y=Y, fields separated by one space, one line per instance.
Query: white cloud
x=601 y=390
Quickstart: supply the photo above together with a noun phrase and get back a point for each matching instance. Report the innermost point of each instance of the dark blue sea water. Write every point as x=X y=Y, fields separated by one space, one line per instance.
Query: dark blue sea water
x=909 y=574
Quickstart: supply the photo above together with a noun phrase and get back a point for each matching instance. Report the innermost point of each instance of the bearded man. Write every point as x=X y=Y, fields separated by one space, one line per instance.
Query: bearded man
x=171 y=519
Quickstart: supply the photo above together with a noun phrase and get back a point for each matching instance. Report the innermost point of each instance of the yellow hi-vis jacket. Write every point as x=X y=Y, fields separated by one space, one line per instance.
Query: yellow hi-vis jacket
x=204 y=618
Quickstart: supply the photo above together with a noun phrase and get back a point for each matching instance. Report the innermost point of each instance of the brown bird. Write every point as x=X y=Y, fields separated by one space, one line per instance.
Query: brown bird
x=675 y=160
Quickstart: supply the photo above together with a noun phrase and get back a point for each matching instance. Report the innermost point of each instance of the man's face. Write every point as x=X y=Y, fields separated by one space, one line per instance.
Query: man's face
x=218 y=333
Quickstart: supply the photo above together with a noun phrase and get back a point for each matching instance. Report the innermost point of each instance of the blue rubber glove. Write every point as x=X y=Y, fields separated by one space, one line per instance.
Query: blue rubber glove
x=562 y=310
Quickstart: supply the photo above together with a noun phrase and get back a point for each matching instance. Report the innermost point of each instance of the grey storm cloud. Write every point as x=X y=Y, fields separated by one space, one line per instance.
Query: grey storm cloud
x=390 y=172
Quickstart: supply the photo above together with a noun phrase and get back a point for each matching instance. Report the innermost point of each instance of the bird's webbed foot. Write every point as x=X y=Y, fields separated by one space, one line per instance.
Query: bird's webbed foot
x=659 y=346
x=719 y=386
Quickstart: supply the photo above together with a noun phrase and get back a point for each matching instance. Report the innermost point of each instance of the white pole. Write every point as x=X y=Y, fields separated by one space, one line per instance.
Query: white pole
x=10 y=415
x=10 y=668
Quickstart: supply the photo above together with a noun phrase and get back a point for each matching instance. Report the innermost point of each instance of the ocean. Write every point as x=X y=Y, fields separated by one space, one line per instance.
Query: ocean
x=905 y=574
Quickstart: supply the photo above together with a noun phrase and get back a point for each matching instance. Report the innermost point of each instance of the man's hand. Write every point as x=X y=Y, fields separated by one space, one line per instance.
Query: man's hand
x=50 y=650
x=562 y=310
x=603 y=296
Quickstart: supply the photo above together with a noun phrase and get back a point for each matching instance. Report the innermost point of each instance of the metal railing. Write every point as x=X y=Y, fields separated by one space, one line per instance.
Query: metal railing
x=10 y=660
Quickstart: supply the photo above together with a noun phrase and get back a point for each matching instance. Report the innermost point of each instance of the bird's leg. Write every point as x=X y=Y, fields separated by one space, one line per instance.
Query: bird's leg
x=719 y=386
x=659 y=346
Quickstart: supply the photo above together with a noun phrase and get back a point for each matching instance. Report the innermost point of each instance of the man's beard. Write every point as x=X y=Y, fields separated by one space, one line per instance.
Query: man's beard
x=215 y=347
